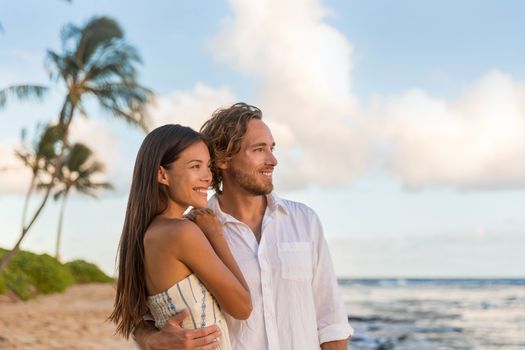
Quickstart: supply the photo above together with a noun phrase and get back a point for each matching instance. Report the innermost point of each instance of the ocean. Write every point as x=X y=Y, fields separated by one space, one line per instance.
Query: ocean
x=436 y=314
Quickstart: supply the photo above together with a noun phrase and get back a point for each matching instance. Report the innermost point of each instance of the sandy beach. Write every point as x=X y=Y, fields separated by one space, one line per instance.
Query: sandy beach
x=74 y=319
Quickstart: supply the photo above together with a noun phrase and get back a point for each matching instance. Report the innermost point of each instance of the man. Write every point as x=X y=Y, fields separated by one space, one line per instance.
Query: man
x=278 y=244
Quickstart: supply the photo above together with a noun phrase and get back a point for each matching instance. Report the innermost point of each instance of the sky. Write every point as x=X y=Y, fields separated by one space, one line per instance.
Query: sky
x=401 y=123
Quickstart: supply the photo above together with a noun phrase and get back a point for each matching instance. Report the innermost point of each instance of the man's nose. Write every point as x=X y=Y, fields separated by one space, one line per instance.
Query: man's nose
x=271 y=159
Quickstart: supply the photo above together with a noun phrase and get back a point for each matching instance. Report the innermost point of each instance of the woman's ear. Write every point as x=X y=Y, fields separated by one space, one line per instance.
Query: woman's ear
x=162 y=176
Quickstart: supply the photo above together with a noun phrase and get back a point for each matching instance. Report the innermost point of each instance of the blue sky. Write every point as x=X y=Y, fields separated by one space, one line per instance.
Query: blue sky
x=401 y=124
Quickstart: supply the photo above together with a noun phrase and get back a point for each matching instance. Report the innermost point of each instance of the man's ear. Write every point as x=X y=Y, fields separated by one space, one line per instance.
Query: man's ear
x=162 y=177
x=222 y=164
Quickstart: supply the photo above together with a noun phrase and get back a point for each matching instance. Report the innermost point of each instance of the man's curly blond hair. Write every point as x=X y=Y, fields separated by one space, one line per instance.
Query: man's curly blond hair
x=223 y=133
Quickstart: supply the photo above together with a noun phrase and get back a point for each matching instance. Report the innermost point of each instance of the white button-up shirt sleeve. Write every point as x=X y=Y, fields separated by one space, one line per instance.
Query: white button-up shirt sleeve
x=332 y=320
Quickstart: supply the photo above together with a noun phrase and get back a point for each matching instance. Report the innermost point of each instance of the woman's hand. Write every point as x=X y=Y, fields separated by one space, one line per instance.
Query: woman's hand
x=207 y=221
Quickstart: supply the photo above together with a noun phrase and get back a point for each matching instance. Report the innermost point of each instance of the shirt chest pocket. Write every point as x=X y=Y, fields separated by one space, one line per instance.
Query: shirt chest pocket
x=296 y=260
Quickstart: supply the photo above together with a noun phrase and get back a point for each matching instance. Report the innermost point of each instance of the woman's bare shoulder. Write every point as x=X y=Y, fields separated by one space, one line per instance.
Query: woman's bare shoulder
x=168 y=232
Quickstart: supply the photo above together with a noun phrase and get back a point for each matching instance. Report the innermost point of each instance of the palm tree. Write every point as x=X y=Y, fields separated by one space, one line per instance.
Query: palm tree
x=39 y=157
x=77 y=173
x=97 y=62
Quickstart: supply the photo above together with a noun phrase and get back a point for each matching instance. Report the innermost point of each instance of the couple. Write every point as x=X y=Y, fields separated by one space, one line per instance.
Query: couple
x=245 y=270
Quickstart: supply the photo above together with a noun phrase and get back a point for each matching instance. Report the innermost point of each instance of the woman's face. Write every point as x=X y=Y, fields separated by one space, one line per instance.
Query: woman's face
x=189 y=177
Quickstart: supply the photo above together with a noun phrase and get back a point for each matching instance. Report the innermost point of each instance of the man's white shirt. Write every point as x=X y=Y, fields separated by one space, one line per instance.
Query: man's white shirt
x=295 y=297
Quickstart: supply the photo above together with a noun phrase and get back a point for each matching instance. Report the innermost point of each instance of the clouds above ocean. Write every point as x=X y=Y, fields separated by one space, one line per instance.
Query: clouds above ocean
x=474 y=141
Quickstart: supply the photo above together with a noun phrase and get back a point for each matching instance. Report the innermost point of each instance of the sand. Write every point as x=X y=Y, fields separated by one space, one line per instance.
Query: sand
x=75 y=319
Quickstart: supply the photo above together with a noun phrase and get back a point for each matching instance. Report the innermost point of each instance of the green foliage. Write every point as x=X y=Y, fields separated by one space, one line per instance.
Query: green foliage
x=30 y=274
x=18 y=282
x=84 y=272
x=2 y=284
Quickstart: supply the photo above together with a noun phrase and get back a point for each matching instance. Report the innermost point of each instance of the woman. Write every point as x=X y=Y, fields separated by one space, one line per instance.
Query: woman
x=168 y=263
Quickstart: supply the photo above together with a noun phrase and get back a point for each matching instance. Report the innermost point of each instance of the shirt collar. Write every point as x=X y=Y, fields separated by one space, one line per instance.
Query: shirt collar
x=274 y=203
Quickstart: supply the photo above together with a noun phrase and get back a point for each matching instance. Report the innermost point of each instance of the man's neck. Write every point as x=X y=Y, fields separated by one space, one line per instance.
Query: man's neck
x=247 y=208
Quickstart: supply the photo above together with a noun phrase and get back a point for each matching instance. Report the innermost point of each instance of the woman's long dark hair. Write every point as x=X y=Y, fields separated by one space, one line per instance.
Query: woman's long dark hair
x=147 y=199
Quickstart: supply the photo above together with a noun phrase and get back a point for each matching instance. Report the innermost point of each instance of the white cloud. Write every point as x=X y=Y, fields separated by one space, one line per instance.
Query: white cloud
x=476 y=141
x=14 y=177
x=97 y=135
x=190 y=108
x=303 y=71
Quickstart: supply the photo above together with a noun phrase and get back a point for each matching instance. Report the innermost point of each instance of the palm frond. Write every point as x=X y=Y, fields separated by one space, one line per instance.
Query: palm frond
x=47 y=144
x=70 y=34
x=79 y=167
x=77 y=156
x=125 y=101
x=98 y=31
x=22 y=92
x=114 y=61
x=26 y=158
x=62 y=66
x=91 y=187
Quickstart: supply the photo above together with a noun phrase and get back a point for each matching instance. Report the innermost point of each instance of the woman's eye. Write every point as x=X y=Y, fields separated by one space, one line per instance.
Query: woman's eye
x=196 y=166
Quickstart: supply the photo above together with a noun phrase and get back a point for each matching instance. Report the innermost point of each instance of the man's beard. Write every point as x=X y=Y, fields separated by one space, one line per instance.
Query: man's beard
x=249 y=183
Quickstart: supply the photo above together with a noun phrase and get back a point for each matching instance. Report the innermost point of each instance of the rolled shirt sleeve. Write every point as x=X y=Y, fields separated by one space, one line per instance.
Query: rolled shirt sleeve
x=332 y=319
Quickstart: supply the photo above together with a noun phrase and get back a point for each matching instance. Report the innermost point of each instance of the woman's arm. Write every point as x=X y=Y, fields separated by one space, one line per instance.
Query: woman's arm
x=210 y=258
x=211 y=227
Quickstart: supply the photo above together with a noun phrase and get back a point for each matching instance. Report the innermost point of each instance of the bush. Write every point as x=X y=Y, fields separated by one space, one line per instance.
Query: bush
x=29 y=274
x=49 y=275
x=84 y=272
x=3 y=289
x=2 y=284
x=18 y=282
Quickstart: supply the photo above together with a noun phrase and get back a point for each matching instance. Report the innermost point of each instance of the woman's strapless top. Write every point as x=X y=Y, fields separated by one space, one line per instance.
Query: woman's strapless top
x=191 y=294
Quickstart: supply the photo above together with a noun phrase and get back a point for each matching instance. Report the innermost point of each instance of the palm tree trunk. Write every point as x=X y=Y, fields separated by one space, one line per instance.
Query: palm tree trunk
x=26 y=200
x=60 y=224
x=65 y=118
x=6 y=258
